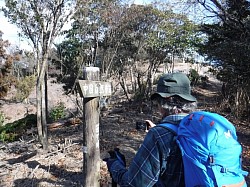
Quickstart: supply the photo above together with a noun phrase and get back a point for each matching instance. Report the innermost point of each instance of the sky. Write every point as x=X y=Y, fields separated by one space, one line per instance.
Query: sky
x=10 y=31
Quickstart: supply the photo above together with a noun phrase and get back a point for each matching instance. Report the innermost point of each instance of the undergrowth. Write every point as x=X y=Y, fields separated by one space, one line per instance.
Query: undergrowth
x=57 y=112
x=24 y=87
x=2 y=118
x=12 y=131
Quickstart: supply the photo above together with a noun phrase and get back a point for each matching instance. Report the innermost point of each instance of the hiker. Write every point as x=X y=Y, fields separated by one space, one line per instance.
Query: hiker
x=158 y=161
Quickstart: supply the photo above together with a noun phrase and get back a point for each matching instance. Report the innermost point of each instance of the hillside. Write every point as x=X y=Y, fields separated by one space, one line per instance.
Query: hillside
x=23 y=163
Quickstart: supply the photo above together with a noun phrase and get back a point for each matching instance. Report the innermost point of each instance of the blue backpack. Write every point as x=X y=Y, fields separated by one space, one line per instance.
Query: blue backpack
x=210 y=151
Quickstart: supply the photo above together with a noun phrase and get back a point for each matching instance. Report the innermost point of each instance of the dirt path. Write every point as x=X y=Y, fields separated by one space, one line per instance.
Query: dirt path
x=24 y=164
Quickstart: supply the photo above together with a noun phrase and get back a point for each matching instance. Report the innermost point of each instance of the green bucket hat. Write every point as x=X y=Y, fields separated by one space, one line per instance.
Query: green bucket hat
x=174 y=84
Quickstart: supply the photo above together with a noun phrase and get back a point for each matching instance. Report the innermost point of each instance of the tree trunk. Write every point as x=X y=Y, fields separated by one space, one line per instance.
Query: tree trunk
x=44 y=113
x=41 y=108
x=132 y=79
x=124 y=86
x=172 y=63
x=46 y=93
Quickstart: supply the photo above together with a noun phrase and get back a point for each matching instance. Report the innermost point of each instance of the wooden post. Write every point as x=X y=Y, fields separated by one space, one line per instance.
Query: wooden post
x=91 y=89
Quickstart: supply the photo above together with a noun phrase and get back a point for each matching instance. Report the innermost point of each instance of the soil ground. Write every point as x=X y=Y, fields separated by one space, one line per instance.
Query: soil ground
x=23 y=163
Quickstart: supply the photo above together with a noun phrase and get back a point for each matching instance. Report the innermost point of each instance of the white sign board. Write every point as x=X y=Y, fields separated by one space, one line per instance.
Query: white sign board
x=90 y=88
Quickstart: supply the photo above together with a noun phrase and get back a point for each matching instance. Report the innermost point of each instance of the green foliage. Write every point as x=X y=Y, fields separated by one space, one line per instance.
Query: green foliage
x=12 y=131
x=214 y=71
x=228 y=43
x=6 y=77
x=71 y=52
x=24 y=87
x=57 y=112
x=2 y=118
x=177 y=34
x=193 y=76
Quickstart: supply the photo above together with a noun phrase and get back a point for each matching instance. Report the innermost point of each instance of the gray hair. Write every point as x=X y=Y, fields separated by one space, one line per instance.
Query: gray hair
x=182 y=105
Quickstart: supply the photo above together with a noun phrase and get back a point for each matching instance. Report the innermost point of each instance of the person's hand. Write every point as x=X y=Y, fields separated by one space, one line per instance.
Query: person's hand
x=115 y=156
x=150 y=124
x=109 y=161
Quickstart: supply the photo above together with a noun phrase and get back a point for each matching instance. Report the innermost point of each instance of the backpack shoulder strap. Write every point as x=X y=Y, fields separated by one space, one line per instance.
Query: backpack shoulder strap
x=169 y=126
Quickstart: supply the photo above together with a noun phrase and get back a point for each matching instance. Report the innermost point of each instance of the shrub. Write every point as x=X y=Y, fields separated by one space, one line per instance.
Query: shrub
x=6 y=78
x=12 y=131
x=57 y=112
x=24 y=87
x=193 y=76
x=2 y=118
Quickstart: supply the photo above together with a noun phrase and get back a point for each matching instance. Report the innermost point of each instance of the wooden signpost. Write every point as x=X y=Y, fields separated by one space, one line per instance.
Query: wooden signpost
x=90 y=90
